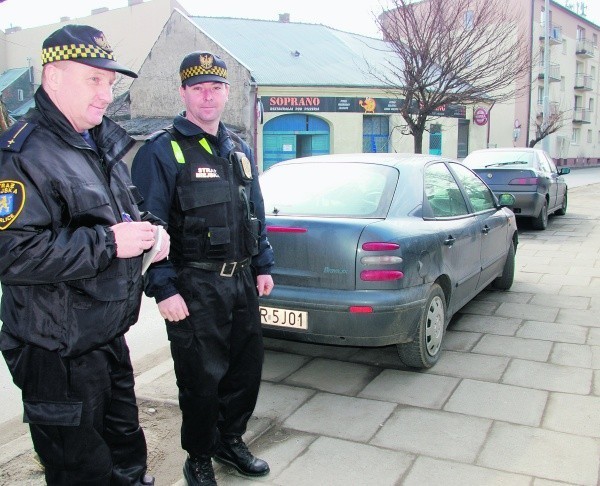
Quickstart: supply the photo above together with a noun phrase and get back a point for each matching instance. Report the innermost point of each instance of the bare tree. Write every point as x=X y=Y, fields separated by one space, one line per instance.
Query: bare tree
x=544 y=128
x=450 y=52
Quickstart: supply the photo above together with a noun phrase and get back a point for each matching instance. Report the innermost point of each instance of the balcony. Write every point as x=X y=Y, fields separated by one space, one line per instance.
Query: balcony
x=585 y=48
x=553 y=109
x=581 y=115
x=555 y=34
x=553 y=72
x=583 y=82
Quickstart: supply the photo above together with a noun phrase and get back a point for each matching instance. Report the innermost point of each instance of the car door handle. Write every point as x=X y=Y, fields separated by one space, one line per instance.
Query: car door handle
x=449 y=241
x=485 y=230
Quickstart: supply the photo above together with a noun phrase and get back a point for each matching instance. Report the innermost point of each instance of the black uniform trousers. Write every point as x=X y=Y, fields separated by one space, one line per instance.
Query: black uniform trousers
x=82 y=414
x=218 y=356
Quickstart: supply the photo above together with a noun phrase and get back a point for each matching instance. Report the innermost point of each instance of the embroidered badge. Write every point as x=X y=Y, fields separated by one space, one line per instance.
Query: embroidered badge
x=207 y=173
x=12 y=200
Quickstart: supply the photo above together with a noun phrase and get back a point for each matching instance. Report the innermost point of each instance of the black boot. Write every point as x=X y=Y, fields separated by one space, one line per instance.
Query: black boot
x=199 y=471
x=234 y=451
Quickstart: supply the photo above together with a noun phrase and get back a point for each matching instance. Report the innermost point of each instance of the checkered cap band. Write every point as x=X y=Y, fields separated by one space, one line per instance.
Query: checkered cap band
x=200 y=71
x=74 y=51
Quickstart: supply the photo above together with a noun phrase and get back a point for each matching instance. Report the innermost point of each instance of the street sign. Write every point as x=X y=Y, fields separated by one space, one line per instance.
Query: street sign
x=480 y=117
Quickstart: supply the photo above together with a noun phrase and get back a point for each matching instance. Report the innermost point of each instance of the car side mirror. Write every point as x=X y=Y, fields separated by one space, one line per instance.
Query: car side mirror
x=564 y=170
x=506 y=199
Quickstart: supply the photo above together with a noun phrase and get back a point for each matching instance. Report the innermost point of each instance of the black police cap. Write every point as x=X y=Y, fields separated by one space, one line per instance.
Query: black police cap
x=201 y=67
x=83 y=44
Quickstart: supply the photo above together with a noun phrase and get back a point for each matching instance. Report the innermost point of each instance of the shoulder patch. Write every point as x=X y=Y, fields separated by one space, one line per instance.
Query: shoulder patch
x=12 y=200
x=14 y=138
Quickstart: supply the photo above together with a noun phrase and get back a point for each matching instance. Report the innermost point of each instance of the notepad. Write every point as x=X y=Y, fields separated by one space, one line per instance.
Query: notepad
x=152 y=252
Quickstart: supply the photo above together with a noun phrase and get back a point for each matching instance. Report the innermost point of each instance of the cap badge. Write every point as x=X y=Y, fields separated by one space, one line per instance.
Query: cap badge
x=102 y=42
x=206 y=61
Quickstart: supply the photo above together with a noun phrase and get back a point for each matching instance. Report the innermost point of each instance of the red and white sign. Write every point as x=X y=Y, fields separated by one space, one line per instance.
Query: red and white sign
x=480 y=117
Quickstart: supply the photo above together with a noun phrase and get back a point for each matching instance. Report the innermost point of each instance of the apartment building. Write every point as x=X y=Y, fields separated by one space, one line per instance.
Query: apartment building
x=573 y=84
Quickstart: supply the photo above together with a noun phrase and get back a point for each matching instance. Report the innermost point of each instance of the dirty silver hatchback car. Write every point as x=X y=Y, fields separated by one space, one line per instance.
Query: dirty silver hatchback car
x=381 y=249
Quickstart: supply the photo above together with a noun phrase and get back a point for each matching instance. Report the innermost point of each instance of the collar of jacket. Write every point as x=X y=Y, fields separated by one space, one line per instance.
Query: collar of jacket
x=112 y=140
x=189 y=129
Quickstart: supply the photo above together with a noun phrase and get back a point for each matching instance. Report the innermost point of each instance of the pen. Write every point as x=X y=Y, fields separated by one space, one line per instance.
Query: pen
x=126 y=218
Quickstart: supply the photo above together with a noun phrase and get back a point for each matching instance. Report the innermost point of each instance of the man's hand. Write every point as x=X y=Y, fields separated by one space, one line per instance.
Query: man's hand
x=264 y=284
x=173 y=309
x=133 y=238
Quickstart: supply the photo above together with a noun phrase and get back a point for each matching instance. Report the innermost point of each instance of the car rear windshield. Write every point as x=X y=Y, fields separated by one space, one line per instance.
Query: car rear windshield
x=329 y=189
x=480 y=160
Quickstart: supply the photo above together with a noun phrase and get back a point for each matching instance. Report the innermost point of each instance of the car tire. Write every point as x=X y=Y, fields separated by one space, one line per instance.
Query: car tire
x=563 y=209
x=424 y=351
x=540 y=222
x=505 y=281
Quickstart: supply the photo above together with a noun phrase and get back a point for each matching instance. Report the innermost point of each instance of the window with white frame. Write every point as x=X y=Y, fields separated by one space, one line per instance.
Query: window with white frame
x=589 y=136
x=575 y=136
x=591 y=105
x=562 y=84
x=20 y=96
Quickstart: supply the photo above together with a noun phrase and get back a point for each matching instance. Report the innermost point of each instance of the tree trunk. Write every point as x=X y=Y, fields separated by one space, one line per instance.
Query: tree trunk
x=418 y=141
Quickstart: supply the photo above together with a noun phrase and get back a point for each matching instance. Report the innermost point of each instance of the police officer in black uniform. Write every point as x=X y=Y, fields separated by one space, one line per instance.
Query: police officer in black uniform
x=201 y=179
x=71 y=268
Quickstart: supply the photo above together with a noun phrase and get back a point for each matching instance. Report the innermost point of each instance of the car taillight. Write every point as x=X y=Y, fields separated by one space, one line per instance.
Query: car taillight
x=380 y=275
x=285 y=229
x=379 y=246
x=381 y=260
x=524 y=181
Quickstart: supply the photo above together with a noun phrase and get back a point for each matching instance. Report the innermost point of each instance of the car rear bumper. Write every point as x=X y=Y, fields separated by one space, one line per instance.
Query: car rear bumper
x=527 y=204
x=394 y=318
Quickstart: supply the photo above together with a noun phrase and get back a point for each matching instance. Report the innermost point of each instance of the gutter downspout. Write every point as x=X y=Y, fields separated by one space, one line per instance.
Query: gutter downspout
x=530 y=27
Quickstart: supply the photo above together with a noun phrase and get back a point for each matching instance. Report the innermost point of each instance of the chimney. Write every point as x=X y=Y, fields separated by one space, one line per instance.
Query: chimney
x=131 y=3
x=99 y=10
x=11 y=30
x=65 y=19
x=284 y=18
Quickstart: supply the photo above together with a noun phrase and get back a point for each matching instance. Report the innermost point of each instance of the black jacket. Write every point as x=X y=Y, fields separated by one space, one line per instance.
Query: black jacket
x=155 y=171
x=63 y=288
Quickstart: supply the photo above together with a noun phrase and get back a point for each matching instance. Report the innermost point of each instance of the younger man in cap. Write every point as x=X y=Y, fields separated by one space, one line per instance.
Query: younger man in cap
x=201 y=179
x=71 y=268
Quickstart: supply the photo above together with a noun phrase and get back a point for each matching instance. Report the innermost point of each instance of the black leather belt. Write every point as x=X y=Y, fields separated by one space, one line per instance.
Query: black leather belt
x=225 y=269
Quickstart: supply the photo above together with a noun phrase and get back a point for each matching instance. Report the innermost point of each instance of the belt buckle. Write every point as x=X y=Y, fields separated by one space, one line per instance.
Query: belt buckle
x=224 y=272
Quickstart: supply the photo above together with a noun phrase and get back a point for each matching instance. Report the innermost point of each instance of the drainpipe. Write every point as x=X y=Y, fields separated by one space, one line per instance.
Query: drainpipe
x=530 y=26
x=546 y=101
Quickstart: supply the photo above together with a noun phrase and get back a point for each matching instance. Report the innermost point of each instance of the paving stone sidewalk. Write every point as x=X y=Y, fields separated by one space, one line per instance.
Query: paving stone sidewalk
x=514 y=399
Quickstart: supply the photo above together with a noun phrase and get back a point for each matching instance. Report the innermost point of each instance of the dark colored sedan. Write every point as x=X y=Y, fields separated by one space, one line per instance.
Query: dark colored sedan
x=381 y=249
x=530 y=175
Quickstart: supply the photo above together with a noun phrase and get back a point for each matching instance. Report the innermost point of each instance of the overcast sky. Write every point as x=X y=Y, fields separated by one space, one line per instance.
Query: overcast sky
x=355 y=17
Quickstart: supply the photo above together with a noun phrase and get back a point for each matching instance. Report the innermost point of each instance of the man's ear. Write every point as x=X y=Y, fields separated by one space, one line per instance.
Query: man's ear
x=52 y=75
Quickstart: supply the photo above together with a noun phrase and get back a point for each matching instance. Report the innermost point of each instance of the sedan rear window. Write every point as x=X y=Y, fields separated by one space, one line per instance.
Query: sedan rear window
x=329 y=189
x=489 y=159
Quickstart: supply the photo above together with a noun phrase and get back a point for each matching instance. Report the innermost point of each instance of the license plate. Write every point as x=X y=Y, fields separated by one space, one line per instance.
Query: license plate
x=292 y=319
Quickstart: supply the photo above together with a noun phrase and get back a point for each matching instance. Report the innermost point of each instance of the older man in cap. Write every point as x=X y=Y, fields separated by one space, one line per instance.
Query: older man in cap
x=70 y=268
x=200 y=178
